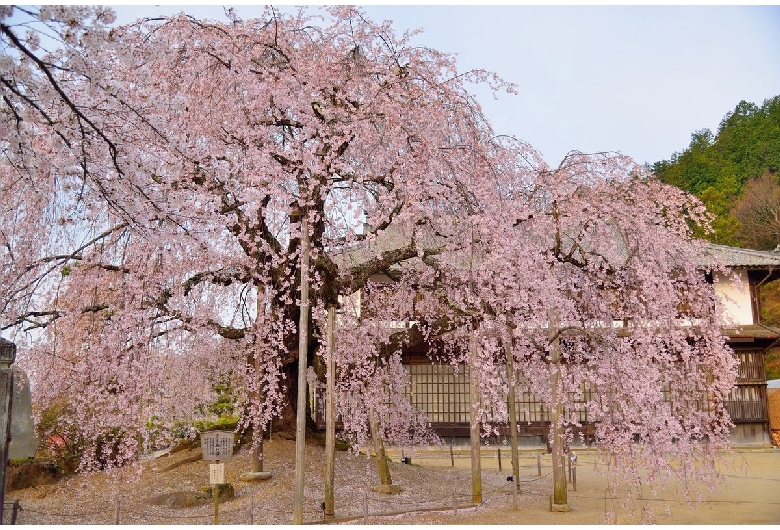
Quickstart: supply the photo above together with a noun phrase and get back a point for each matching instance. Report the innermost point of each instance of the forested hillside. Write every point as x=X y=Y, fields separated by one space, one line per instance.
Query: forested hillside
x=735 y=172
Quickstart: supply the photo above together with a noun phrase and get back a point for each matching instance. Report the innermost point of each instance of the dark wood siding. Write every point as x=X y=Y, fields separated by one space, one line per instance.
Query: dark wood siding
x=442 y=392
x=747 y=402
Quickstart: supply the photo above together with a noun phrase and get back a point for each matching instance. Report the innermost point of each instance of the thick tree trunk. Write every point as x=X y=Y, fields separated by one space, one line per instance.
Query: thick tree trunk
x=330 y=416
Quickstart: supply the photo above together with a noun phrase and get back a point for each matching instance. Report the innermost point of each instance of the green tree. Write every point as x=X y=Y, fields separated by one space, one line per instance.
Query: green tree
x=717 y=167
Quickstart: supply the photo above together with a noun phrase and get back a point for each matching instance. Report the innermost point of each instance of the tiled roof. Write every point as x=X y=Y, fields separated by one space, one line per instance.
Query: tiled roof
x=755 y=331
x=394 y=238
x=744 y=257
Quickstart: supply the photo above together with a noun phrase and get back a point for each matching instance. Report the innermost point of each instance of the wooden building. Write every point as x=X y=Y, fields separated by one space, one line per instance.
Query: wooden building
x=441 y=391
x=750 y=339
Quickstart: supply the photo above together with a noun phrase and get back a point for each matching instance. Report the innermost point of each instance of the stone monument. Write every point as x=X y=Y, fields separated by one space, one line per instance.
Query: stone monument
x=23 y=441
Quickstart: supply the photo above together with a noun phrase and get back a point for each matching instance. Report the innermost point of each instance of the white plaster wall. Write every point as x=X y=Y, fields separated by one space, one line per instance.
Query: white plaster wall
x=351 y=304
x=735 y=296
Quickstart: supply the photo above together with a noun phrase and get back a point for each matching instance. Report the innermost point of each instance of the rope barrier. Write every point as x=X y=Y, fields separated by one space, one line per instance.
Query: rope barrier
x=447 y=504
x=679 y=501
x=444 y=503
x=768 y=479
x=209 y=515
x=57 y=514
x=535 y=479
x=417 y=503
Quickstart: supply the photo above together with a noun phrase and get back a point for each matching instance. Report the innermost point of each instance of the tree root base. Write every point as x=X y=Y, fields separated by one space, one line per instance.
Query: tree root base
x=558 y=507
x=389 y=489
x=256 y=476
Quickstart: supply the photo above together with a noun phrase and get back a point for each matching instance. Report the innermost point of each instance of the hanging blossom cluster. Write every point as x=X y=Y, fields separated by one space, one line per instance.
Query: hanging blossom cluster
x=176 y=160
x=370 y=378
x=597 y=260
x=155 y=178
x=119 y=370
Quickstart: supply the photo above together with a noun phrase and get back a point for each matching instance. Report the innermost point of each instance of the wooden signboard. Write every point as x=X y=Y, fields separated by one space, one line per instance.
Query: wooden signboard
x=217 y=445
x=216 y=474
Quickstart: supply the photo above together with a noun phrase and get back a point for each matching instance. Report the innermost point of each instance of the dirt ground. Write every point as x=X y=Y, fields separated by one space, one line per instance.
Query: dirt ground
x=751 y=496
x=433 y=492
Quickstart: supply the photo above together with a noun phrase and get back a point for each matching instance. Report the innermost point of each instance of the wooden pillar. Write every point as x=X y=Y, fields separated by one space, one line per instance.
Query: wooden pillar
x=510 y=374
x=559 y=500
x=257 y=458
x=303 y=346
x=379 y=448
x=330 y=415
x=256 y=464
x=257 y=453
x=215 y=498
x=476 y=464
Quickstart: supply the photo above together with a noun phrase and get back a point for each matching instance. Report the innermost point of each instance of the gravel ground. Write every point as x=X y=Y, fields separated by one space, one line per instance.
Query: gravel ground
x=433 y=492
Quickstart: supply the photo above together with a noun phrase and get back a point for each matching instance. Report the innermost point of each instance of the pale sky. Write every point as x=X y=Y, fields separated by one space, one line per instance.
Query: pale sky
x=638 y=80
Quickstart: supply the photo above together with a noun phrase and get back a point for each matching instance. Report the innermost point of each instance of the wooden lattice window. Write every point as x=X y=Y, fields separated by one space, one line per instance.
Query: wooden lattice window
x=747 y=403
x=579 y=406
x=530 y=409
x=441 y=392
x=751 y=365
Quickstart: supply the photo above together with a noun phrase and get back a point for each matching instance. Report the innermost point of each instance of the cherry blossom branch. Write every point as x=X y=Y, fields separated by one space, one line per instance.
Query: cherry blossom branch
x=63 y=96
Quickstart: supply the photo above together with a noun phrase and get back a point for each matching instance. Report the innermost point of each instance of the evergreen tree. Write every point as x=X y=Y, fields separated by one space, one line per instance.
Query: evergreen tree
x=717 y=168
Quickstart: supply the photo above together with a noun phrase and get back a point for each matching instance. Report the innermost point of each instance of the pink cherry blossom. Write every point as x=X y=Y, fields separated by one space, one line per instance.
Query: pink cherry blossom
x=154 y=178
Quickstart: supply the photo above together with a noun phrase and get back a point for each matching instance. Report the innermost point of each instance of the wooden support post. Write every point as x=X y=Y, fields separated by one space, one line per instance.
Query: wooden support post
x=379 y=448
x=256 y=461
x=15 y=512
x=303 y=347
x=116 y=512
x=573 y=467
x=538 y=465
x=257 y=454
x=452 y=456
x=510 y=373
x=215 y=494
x=559 y=500
x=574 y=476
x=499 y=458
x=476 y=465
x=330 y=415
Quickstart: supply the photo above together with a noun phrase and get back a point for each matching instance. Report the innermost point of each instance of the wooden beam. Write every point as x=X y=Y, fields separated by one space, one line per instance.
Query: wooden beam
x=303 y=347
x=510 y=374
x=476 y=464
x=559 y=500
x=330 y=415
x=379 y=448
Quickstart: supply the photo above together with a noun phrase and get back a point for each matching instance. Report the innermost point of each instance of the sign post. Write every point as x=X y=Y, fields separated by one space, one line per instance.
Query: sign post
x=216 y=478
x=217 y=445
